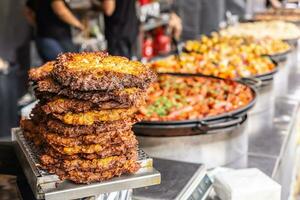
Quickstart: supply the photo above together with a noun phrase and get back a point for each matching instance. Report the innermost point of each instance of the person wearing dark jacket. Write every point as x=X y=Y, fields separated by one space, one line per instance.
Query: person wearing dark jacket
x=52 y=20
x=122 y=26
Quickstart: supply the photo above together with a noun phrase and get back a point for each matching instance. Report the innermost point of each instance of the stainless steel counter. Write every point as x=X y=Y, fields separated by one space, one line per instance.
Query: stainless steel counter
x=272 y=132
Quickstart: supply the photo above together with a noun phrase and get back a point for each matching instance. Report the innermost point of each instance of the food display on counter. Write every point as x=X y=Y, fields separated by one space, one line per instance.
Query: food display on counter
x=268 y=46
x=247 y=44
x=176 y=98
x=227 y=57
x=291 y=15
x=87 y=106
x=230 y=65
x=274 y=29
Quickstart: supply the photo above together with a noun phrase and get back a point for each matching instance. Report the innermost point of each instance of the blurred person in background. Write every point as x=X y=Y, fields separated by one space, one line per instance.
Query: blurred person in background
x=275 y=3
x=236 y=7
x=200 y=17
x=239 y=7
x=52 y=20
x=122 y=26
x=14 y=62
x=262 y=5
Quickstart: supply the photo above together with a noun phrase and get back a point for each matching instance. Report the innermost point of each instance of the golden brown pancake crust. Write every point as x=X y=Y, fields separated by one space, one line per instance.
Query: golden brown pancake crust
x=40 y=73
x=79 y=176
x=46 y=89
x=92 y=71
x=64 y=105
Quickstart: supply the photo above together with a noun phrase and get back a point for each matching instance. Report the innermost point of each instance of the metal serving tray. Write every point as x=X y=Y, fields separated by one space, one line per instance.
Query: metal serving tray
x=230 y=114
x=280 y=57
x=49 y=186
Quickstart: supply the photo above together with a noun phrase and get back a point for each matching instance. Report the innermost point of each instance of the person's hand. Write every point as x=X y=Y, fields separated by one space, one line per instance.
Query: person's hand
x=175 y=25
x=84 y=31
x=80 y=26
x=276 y=4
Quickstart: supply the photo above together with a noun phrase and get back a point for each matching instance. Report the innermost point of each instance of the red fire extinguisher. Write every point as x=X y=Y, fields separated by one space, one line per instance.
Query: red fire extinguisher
x=147 y=50
x=162 y=42
x=144 y=2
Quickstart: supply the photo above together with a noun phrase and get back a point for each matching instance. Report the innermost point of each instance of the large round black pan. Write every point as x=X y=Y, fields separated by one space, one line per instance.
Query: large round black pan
x=196 y=126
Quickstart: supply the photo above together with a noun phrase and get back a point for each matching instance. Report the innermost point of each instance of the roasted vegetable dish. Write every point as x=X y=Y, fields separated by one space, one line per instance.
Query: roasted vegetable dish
x=175 y=98
x=227 y=57
x=291 y=15
x=247 y=44
x=274 y=29
x=230 y=67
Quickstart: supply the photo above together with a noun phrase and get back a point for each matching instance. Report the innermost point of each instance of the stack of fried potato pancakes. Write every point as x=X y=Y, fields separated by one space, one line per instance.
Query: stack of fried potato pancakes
x=86 y=109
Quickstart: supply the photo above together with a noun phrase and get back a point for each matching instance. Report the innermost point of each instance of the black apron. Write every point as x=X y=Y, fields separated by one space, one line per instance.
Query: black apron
x=200 y=16
x=121 y=28
x=236 y=7
x=48 y=23
x=190 y=16
x=212 y=14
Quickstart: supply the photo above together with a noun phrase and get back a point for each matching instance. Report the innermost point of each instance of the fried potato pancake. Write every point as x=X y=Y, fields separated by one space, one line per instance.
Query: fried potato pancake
x=60 y=128
x=94 y=148
x=86 y=144
x=92 y=71
x=78 y=176
x=131 y=153
x=91 y=117
x=40 y=73
x=39 y=118
x=64 y=105
x=115 y=137
x=93 y=165
x=48 y=88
